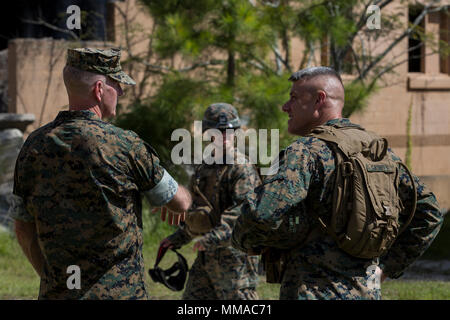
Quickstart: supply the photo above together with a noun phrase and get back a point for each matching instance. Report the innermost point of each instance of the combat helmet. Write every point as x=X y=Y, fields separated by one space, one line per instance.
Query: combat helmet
x=221 y=116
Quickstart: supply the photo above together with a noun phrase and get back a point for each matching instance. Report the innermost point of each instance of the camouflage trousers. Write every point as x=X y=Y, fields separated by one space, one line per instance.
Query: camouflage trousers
x=303 y=281
x=225 y=274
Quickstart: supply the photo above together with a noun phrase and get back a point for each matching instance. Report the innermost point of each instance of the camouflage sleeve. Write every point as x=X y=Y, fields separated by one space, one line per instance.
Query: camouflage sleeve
x=244 y=179
x=17 y=209
x=264 y=212
x=420 y=233
x=152 y=179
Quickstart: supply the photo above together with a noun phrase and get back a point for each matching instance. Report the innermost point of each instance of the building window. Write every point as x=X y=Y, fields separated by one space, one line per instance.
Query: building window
x=444 y=42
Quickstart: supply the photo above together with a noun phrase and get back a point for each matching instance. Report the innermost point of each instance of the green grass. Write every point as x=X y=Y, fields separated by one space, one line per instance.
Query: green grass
x=17 y=277
x=19 y=281
x=416 y=290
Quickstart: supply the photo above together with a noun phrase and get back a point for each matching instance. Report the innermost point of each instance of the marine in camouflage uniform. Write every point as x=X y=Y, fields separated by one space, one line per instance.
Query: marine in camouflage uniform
x=314 y=267
x=221 y=271
x=79 y=180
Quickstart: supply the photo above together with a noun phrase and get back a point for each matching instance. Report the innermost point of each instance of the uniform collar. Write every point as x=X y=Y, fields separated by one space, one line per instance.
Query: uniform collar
x=79 y=114
x=342 y=123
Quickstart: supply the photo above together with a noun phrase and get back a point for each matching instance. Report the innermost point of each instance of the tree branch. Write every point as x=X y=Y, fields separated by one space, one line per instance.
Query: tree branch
x=393 y=66
x=355 y=57
x=52 y=27
x=213 y=62
x=279 y=59
x=359 y=25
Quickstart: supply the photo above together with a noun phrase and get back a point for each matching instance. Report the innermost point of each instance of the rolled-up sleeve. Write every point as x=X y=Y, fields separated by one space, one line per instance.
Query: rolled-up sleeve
x=152 y=179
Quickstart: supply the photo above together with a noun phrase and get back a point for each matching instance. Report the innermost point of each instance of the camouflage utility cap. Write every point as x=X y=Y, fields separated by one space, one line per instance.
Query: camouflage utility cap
x=100 y=61
x=221 y=116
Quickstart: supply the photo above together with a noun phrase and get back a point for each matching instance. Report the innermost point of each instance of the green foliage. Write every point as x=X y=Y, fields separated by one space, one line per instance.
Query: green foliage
x=190 y=27
x=175 y=105
x=244 y=34
x=334 y=19
x=261 y=98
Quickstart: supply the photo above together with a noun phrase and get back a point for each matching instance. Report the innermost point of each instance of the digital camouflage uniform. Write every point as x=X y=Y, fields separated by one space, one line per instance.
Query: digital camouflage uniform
x=278 y=215
x=80 y=180
x=221 y=271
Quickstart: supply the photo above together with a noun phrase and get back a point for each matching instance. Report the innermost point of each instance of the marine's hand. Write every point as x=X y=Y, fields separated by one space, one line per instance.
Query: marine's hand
x=173 y=218
x=199 y=246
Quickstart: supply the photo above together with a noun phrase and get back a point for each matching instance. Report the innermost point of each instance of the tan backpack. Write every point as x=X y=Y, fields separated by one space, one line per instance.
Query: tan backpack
x=366 y=205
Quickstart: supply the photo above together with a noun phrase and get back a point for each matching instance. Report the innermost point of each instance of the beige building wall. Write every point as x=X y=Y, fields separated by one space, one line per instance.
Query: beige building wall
x=35 y=74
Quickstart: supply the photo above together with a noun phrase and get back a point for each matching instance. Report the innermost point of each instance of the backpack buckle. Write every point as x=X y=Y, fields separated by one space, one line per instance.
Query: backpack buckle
x=347 y=169
x=387 y=210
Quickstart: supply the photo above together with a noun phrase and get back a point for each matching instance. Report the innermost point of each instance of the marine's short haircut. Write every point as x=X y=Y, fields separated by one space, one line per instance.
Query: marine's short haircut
x=312 y=72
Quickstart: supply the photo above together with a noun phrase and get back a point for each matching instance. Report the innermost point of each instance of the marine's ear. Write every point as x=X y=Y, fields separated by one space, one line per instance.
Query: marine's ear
x=98 y=90
x=320 y=98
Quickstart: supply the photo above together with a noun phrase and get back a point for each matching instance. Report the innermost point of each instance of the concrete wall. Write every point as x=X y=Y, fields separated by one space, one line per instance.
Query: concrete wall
x=35 y=78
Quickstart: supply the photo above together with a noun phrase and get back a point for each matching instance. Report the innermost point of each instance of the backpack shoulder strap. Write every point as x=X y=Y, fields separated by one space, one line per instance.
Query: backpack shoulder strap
x=352 y=139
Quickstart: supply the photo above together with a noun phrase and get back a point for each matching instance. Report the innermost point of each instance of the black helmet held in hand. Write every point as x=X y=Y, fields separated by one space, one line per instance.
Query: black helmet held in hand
x=173 y=278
